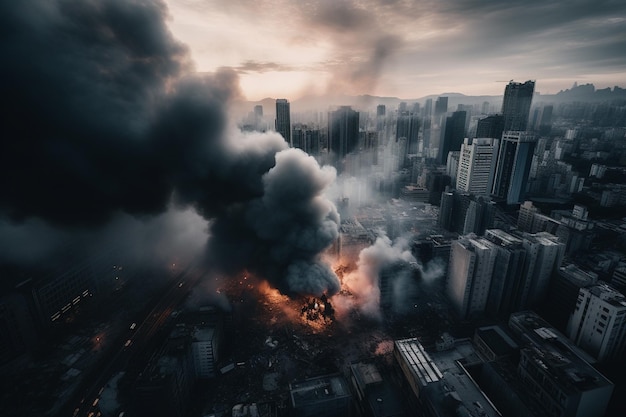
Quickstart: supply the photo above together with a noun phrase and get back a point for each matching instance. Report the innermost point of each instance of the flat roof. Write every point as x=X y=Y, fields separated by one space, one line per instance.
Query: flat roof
x=421 y=365
x=497 y=340
x=556 y=354
x=319 y=389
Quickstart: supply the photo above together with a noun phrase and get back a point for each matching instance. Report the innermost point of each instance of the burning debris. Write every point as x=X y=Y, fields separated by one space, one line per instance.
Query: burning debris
x=318 y=310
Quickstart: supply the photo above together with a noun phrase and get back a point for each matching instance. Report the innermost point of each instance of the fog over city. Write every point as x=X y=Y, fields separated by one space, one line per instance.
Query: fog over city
x=281 y=208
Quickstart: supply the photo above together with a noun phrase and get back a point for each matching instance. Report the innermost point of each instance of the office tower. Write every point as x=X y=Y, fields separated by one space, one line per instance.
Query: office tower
x=343 y=131
x=452 y=165
x=441 y=107
x=563 y=293
x=407 y=126
x=544 y=253
x=516 y=105
x=415 y=108
x=283 y=119
x=545 y=123
x=428 y=108
x=402 y=107
x=453 y=134
x=380 y=110
x=479 y=215
x=465 y=213
x=490 y=127
x=298 y=137
x=598 y=324
x=258 y=110
x=555 y=373
x=470 y=271
x=509 y=275
x=476 y=165
x=513 y=166
x=526 y=214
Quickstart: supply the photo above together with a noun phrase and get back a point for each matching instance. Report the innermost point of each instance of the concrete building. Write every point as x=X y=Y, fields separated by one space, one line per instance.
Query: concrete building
x=375 y=396
x=505 y=294
x=563 y=293
x=559 y=377
x=598 y=323
x=476 y=165
x=470 y=271
x=512 y=168
x=439 y=386
x=205 y=351
x=321 y=396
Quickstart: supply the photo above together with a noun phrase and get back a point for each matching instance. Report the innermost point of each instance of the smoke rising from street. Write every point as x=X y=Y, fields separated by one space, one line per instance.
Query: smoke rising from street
x=105 y=118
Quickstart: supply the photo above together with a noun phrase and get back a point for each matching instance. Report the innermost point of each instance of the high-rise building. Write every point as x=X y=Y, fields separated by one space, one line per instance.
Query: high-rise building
x=598 y=324
x=428 y=108
x=441 y=107
x=555 y=373
x=476 y=165
x=407 y=126
x=509 y=275
x=490 y=127
x=283 y=119
x=452 y=135
x=516 y=105
x=470 y=270
x=513 y=166
x=380 y=110
x=465 y=213
x=343 y=131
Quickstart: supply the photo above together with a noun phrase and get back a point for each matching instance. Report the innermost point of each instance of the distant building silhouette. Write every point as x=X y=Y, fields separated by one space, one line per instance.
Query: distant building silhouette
x=283 y=119
x=452 y=135
x=343 y=131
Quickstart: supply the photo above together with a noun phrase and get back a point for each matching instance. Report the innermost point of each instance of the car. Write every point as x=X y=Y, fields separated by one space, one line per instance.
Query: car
x=132 y=326
x=128 y=343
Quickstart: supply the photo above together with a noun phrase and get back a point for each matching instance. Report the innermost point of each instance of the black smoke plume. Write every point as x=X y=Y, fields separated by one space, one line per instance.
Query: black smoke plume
x=103 y=117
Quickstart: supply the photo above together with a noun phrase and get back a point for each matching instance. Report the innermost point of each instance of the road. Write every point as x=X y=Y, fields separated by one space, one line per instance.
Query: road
x=140 y=340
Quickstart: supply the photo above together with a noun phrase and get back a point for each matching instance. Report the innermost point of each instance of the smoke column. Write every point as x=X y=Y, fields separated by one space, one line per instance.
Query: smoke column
x=104 y=117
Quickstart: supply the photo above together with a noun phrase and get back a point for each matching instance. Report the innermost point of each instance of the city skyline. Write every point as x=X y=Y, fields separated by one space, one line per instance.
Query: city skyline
x=403 y=49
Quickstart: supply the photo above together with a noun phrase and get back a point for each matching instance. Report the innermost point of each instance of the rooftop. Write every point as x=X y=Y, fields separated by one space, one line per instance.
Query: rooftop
x=320 y=389
x=499 y=342
x=555 y=354
x=421 y=365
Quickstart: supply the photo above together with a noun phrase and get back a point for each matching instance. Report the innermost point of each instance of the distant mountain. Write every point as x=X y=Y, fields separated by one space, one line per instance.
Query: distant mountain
x=366 y=102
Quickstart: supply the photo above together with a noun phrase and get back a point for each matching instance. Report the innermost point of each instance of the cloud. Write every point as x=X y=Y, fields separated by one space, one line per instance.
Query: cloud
x=107 y=120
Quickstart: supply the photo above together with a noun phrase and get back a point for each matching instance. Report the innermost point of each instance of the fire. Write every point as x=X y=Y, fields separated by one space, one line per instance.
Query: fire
x=310 y=313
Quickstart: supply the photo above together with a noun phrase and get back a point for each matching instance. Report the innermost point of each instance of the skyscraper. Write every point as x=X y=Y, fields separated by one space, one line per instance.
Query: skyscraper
x=476 y=165
x=343 y=131
x=490 y=127
x=516 y=105
x=513 y=166
x=407 y=126
x=441 y=106
x=452 y=135
x=598 y=323
x=283 y=119
x=470 y=271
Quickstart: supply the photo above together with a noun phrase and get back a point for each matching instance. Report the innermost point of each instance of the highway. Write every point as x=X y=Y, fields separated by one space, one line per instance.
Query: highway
x=133 y=349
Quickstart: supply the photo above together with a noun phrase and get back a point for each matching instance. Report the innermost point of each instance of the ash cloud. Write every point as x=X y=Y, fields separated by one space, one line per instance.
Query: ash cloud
x=105 y=121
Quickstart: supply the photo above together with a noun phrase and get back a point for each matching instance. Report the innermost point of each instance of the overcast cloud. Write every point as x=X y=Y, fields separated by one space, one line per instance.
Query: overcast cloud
x=405 y=48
